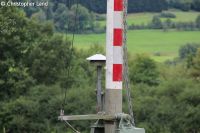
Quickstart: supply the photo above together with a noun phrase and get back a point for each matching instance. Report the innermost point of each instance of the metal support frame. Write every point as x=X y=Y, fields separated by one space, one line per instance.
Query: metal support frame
x=122 y=122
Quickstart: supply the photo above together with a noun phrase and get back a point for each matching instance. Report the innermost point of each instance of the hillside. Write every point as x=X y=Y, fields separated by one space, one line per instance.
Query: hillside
x=60 y=12
x=146 y=17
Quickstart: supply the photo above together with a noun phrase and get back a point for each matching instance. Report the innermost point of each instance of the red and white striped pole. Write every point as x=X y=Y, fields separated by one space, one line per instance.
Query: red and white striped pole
x=114 y=60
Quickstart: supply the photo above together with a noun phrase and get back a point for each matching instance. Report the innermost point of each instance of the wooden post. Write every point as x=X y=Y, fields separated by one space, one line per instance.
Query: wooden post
x=4 y=130
x=99 y=89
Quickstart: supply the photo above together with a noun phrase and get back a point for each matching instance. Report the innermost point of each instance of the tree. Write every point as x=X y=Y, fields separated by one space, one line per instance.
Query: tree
x=167 y=24
x=85 y=20
x=156 y=23
x=198 y=22
x=183 y=5
x=147 y=5
x=39 y=16
x=196 y=5
x=76 y=18
x=33 y=113
x=16 y=39
x=195 y=68
x=49 y=58
x=144 y=70
x=61 y=18
x=188 y=50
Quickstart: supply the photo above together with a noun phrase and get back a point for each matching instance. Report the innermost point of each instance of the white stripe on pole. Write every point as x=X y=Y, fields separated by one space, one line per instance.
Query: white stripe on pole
x=118 y=19
x=117 y=52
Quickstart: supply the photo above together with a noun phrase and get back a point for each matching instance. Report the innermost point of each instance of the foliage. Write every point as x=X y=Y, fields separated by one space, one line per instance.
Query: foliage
x=77 y=17
x=163 y=108
x=195 y=65
x=167 y=24
x=35 y=76
x=48 y=59
x=34 y=112
x=85 y=19
x=62 y=13
x=167 y=15
x=196 y=5
x=198 y=22
x=39 y=16
x=147 y=5
x=144 y=70
x=134 y=5
x=156 y=23
x=188 y=50
x=188 y=26
x=61 y=18
x=184 y=5
x=17 y=35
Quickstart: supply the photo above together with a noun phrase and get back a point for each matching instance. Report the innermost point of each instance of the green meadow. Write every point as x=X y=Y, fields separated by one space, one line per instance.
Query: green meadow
x=158 y=44
x=145 y=18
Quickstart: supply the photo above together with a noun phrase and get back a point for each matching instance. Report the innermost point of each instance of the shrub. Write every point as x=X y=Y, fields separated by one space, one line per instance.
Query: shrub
x=195 y=67
x=167 y=15
x=156 y=23
x=100 y=17
x=144 y=70
x=189 y=26
x=157 y=54
x=187 y=50
x=198 y=22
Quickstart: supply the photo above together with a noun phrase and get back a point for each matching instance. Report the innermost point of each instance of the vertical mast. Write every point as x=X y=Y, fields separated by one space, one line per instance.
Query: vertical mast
x=114 y=60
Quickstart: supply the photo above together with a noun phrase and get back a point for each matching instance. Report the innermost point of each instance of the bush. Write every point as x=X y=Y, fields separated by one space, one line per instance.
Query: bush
x=144 y=70
x=167 y=15
x=98 y=28
x=198 y=22
x=100 y=17
x=138 y=27
x=189 y=26
x=195 y=66
x=187 y=50
x=169 y=104
x=156 y=23
x=157 y=54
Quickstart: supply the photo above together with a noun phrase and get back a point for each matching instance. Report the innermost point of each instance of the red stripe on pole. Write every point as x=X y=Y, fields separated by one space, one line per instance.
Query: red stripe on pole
x=118 y=5
x=117 y=72
x=117 y=37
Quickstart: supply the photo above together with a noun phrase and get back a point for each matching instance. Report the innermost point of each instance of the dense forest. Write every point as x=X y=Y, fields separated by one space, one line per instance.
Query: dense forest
x=38 y=66
x=99 y=6
x=62 y=13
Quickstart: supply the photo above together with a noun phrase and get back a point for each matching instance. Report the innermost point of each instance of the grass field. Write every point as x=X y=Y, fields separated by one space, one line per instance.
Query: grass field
x=147 y=41
x=145 y=18
x=152 y=42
